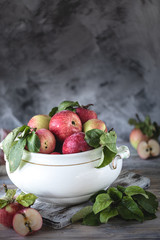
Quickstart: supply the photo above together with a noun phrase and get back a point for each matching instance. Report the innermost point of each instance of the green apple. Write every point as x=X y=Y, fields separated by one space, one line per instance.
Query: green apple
x=94 y=124
x=39 y=122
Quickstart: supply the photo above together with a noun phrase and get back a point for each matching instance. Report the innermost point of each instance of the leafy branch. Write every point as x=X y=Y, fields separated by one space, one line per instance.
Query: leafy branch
x=131 y=203
x=15 y=142
x=25 y=200
x=152 y=130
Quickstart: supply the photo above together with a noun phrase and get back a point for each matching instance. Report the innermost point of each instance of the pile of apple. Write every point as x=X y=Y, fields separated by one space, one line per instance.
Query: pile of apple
x=144 y=137
x=64 y=132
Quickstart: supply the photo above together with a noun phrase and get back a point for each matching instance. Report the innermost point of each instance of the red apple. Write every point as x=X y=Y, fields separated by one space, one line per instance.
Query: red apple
x=39 y=122
x=85 y=114
x=64 y=124
x=94 y=124
x=47 y=140
x=148 y=149
x=7 y=213
x=75 y=144
x=27 y=221
x=136 y=136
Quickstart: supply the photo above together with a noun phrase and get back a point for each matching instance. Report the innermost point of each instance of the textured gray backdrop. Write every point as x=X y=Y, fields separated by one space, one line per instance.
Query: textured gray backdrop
x=105 y=52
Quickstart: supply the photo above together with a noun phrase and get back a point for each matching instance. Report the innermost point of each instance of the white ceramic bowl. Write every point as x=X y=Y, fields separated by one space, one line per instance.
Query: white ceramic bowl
x=66 y=179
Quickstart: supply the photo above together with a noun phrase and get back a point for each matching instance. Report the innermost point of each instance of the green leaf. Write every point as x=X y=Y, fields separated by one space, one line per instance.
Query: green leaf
x=121 y=188
x=81 y=214
x=53 y=111
x=108 y=213
x=8 y=198
x=134 y=190
x=33 y=142
x=107 y=157
x=150 y=205
x=92 y=137
x=3 y=203
x=7 y=142
x=132 y=121
x=109 y=140
x=102 y=201
x=149 y=216
x=26 y=131
x=93 y=197
x=128 y=209
x=67 y=105
x=10 y=194
x=26 y=199
x=147 y=120
x=91 y=220
x=153 y=199
x=115 y=194
x=15 y=154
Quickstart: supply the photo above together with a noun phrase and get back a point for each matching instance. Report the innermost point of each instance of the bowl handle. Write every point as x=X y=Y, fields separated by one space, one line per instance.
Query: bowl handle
x=122 y=153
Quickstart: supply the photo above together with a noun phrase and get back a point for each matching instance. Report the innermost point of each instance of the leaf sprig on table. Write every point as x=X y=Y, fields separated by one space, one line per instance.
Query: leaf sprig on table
x=152 y=130
x=15 y=142
x=131 y=203
x=25 y=200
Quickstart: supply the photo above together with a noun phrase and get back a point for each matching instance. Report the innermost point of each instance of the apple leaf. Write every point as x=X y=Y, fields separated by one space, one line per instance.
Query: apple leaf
x=15 y=142
x=107 y=157
x=92 y=137
x=16 y=152
x=65 y=105
x=108 y=213
x=128 y=209
x=7 y=142
x=3 y=203
x=149 y=204
x=134 y=190
x=8 y=198
x=102 y=201
x=26 y=199
x=81 y=214
x=109 y=140
x=53 y=111
x=33 y=142
x=115 y=194
x=91 y=220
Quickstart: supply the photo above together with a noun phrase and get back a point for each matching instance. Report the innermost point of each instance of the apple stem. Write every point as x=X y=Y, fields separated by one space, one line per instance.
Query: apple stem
x=111 y=129
x=137 y=116
x=87 y=106
x=5 y=187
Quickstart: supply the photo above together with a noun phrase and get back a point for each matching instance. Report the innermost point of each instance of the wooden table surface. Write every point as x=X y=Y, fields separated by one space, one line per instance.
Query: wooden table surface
x=116 y=229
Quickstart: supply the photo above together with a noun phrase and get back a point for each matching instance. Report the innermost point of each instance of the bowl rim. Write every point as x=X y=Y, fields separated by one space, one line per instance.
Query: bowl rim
x=74 y=159
x=63 y=155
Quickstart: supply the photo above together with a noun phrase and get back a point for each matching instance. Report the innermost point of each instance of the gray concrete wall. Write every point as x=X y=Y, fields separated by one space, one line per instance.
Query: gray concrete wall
x=97 y=51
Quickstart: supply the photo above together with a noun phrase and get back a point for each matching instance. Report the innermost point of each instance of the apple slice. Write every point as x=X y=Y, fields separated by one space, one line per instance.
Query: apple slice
x=143 y=150
x=27 y=221
x=154 y=147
